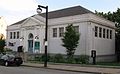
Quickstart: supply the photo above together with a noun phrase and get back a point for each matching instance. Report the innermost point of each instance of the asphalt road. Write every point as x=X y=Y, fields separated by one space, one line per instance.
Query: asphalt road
x=30 y=70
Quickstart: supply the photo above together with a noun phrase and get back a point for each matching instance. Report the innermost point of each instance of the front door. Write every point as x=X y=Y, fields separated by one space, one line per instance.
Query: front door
x=30 y=43
x=30 y=46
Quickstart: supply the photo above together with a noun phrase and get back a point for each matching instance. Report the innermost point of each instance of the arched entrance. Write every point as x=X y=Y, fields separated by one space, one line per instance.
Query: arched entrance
x=30 y=43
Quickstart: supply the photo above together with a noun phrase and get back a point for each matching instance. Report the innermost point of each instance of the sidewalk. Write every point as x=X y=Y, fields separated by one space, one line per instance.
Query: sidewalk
x=76 y=68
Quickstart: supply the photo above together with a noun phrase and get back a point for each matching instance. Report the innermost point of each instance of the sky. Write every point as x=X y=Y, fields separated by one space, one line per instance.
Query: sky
x=16 y=10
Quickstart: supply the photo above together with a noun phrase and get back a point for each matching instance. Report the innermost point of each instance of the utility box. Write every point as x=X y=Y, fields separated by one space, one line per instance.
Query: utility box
x=93 y=55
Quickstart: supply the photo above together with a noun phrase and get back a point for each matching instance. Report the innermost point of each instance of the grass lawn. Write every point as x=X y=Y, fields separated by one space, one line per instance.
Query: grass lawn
x=98 y=64
x=108 y=63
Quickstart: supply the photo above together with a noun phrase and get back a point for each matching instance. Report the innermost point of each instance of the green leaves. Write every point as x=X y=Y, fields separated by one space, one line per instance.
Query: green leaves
x=70 y=40
x=2 y=43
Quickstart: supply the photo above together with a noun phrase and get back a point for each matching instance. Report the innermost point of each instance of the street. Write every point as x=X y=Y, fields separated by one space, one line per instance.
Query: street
x=30 y=70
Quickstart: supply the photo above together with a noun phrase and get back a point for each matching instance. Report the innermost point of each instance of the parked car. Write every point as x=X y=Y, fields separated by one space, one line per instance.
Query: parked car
x=10 y=59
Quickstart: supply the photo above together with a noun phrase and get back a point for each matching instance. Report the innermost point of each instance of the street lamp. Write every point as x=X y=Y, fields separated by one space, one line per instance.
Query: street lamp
x=22 y=38
x=36 y=38
x=39 y=10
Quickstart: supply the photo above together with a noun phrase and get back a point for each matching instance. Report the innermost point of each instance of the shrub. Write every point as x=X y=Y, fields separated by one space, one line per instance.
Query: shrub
x=43 y=57
x=37 y=59
x=82 y=59
x=51 y=59
x=58 y=58
x=7 y=50
x=70 y=60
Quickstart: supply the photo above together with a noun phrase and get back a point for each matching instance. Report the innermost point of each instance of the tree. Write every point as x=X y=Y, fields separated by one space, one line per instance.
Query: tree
x=114 y=17
x=70 y=40
x=2 y=43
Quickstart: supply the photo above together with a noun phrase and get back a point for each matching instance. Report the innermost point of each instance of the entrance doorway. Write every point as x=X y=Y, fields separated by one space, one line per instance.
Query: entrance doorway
x=30 y=43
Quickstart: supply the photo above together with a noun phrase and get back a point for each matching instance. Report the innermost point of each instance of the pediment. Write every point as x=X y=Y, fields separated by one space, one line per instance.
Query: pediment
x=31 y=21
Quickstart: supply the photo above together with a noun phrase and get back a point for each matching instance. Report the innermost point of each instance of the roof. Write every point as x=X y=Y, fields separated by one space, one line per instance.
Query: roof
x=19 y=22
x=77 y=10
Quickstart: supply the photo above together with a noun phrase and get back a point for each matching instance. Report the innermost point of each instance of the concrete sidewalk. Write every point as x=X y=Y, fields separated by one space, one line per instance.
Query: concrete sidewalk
x=76 y=68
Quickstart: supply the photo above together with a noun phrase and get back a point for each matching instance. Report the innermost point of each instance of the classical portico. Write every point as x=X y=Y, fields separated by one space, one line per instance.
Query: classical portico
x=31 y=35
x=32 y=30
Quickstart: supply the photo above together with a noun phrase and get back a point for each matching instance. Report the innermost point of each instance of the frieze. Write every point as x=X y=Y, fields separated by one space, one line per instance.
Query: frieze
x=30 y=27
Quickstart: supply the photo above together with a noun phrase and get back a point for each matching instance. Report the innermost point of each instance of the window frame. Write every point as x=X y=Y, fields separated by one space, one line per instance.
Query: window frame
x=14 y=35
x=100 y=32
x=110 y=34
x=54 y=32
x=18 y=35
x=61 y=31
x=96 y=31
x=104 y=30
x=11 y=33
x=107 y=34
x=76 y=28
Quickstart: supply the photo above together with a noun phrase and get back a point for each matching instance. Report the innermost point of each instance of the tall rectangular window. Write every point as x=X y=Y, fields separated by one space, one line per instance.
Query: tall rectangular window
x=103 y=32
x=96 y=31
x=61 y=31
x=54 y=32
x=100 y=32
x=107 y=33
x=14 y=35
x=110 y=34
x=76 y=28
x=10 y=35
x=18 y=35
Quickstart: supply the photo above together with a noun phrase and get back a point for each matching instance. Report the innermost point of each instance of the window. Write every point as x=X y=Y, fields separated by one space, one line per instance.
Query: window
x=107 y=33
x=96 y=31
x=76 y=28
x=54 y=32
x=17 y=35
x=100 y=32
x=10 y=35
x=61 y=31
x=103 y=32
x=14 y=35
x=110 y=34
x=11 y=44
x=30 y=36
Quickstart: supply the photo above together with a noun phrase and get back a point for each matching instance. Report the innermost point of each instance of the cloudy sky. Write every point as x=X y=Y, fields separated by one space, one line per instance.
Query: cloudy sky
x=16 y=10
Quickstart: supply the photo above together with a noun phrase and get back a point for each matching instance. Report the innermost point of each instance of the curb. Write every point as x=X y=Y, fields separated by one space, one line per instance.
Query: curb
x=61 y=69
x=95 y=66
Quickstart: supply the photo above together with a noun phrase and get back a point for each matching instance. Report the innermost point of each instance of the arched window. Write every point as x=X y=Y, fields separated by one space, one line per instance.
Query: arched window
x=30 y=36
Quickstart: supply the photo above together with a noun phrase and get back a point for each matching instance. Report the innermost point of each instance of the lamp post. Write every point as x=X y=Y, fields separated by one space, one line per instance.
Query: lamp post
x=39 y=10
x=22 y=38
